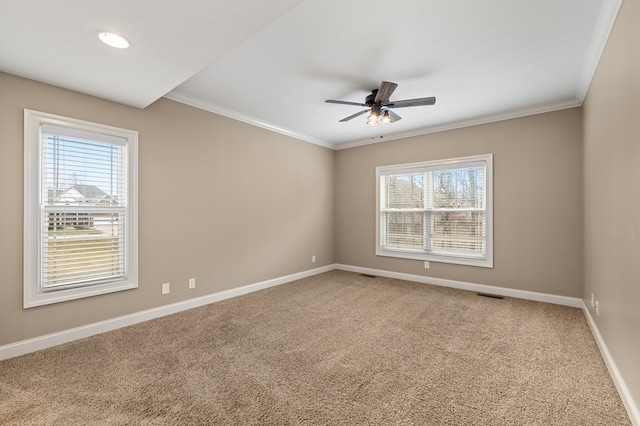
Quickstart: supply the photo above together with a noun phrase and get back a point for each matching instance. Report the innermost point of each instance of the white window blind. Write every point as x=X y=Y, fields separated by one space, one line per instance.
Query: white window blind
x=437 y=211
x=80 y=209
x=84 y=207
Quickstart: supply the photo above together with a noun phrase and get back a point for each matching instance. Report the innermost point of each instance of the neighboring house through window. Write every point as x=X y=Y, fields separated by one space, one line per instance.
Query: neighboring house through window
x=437 y=211
x=80 y=227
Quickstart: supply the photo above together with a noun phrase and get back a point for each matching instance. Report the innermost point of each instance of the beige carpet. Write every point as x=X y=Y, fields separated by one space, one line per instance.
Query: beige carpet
x=335 y=349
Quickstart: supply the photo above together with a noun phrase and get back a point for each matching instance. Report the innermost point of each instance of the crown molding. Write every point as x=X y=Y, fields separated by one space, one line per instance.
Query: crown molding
x=235 y=115
x=226 y=112
x=541 y=109
x=606 y=20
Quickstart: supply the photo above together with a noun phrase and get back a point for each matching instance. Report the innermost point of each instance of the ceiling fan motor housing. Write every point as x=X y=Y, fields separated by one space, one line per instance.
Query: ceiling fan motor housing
x=380 y=106
x=370 y=100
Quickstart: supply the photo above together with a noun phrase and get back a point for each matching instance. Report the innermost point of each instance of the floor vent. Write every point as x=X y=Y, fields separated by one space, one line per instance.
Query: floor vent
x=367 y=275
x=493 y=296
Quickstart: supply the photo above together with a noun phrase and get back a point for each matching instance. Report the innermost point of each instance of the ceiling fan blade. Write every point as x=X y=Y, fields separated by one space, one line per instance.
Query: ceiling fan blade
x=332 y=101
x=354 y=115
x=393 y=117
x=411 y=102
x=385 y=91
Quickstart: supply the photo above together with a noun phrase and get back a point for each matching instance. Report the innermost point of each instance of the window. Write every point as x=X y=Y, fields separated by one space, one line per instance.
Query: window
x=80 y=206
x=439 y=211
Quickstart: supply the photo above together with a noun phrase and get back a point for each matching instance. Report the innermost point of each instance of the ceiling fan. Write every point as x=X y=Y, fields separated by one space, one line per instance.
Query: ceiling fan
x=380 y=107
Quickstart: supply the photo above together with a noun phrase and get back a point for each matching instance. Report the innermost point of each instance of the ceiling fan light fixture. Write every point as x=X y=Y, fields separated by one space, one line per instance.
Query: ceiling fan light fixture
x=374 y=116
x=113 y=40
x=380 y=108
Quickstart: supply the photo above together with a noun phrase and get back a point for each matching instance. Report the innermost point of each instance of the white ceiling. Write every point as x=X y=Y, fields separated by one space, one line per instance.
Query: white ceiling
x=273 y=63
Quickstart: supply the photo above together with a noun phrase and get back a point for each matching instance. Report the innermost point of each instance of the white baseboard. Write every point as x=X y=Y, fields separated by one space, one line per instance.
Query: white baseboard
x=42 y=342
x=623 y=390
x=462 y=285
x=53 y=339
x=49 y=340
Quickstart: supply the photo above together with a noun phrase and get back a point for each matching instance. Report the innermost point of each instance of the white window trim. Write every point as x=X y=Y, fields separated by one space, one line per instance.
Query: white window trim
x=486 y=262
x=33 y=295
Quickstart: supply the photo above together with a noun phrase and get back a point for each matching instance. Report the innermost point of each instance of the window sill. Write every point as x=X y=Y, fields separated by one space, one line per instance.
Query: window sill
x=480 y=262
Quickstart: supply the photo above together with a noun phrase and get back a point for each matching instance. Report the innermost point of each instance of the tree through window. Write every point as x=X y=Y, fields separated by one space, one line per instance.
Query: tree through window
x=438 y=211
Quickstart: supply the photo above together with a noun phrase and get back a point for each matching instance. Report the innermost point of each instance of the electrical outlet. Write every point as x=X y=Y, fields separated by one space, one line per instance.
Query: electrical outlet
x=597 y=308
x=192 y=283
x=166 y=288
x=426 y=264
x=593 y=300
x=313 y=259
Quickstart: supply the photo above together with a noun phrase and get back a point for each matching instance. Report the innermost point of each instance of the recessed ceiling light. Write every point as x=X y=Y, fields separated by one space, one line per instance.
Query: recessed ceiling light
x=113 y=40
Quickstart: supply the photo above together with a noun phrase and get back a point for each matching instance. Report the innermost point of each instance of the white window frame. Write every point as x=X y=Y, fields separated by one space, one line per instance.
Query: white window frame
x=33 y=294
x=425 y=255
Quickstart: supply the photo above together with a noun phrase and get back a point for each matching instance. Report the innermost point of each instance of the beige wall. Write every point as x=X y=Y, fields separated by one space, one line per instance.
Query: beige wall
x=219 y=200
x=537 y=201
x=612 y=194
x=217 y=182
